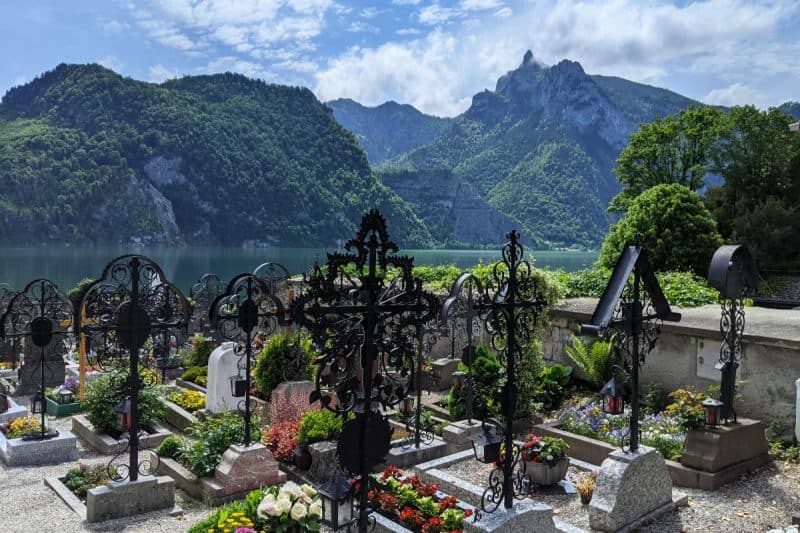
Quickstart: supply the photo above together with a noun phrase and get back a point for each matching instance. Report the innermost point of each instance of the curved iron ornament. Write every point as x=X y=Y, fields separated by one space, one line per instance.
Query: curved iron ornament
x=246 y=310
x=41 y=315
x=731 y=326
x=360 y=327
x=274 y=276
x=203 y=293
x=11 y=348
x=130 y=303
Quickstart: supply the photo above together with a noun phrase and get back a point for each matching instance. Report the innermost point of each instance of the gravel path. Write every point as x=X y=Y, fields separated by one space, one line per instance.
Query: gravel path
x=29 y=505
x=763 y=500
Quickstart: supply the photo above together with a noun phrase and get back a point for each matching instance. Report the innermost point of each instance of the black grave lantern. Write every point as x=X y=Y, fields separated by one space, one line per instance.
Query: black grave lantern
x=458 y=379
x=486 y=445
x=65 y=396
x=337 y=502
x=38 y=403
x=613 y=399
x=3 y=400
x=238 y=385
x=123 y=410
x=407 y=407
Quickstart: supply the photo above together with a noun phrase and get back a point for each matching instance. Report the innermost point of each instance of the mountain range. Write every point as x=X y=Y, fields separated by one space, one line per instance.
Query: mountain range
x=91 y=157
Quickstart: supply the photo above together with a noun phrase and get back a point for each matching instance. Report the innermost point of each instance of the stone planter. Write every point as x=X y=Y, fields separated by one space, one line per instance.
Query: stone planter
x=544 y=474
x=13 y=412
x=189 y=385
x=62 y=409
x=108 y=445
x=59 y=449
x=301 y=457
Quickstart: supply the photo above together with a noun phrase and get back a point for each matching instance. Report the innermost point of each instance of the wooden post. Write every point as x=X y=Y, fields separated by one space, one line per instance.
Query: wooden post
x=82 y=358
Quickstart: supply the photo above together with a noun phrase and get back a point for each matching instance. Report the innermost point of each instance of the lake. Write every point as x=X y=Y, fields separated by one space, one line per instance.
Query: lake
x=184 y=266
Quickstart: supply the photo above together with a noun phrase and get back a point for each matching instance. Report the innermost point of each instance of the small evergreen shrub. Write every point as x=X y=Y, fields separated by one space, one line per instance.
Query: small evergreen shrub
x=105 y=393
x=214 y=436
x=171 y=447
x=319 y=425
x=192 y=373
x=82 y=478
x=278 y=355
x=201 y=350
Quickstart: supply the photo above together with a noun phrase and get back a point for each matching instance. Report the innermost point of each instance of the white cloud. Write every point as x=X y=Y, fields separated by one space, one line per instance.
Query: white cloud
x=735 y=94
x=159 y=73
x=235 y=64
x=405 y=2
x=477 y=5
x=113 y=27
x=111 y=62
x=362 y=27
x=435 y=14
x=408 y=31
x=503 y=12
x=369 y=12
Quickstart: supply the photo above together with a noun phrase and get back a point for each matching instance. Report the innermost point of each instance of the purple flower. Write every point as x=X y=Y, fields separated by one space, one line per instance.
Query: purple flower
x=71 y=385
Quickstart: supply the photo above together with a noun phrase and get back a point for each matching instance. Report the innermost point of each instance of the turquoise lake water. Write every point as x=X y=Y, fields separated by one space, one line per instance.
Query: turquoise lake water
x=184 y=266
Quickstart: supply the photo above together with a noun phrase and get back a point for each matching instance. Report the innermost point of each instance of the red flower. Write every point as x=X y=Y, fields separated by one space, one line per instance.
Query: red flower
x=467 y=513
x=391 y=471
x=448 y=502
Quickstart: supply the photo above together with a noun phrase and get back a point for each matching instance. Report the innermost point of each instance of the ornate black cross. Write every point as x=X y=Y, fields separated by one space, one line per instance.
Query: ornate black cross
x=203 y=293
x=354 y=317
x=635 y=313
x=41 y=315
x=131 y=302
x=11 y=348
x=246 y=309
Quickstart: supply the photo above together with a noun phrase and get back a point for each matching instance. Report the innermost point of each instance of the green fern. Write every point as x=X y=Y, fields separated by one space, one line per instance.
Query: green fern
x=596 y=363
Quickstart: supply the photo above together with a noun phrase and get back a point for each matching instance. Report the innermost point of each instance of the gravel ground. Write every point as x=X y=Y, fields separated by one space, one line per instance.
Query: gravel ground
x=763 y=500
x=29 y=505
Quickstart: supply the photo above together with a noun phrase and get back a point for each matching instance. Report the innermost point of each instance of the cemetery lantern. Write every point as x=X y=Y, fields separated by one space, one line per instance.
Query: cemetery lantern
x=613 y=400
x=238 y=385
x=713 y=411
x=634 y=309
x=337 y=502
x=486 y=445
x=733 y=274
x=458 y=379
x=3 y=399
x=123 y=410
x=38 y=403
x=408 y=405
x=65 y=396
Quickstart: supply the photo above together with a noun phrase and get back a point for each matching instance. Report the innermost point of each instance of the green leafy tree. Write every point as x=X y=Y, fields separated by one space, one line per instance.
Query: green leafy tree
x=674 y=149
x=757 y=205
x=674 y=226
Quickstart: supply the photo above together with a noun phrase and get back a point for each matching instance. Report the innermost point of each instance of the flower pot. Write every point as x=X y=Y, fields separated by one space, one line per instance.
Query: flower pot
x=301 y=457
x=586 y=498
x=544 y=474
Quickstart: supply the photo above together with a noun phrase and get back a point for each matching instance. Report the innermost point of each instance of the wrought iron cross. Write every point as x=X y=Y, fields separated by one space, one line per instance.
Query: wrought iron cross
x=203 y=293
x=354 y=323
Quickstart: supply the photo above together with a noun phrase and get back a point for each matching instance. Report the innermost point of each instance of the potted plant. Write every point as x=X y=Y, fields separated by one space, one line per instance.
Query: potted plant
x=546 y=461
x=585 y=487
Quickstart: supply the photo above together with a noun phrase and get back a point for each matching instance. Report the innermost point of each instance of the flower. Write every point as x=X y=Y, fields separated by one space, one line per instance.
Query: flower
x=283 y=506
x=315 y=509
x=308 y=490
x=299 y=511
x=267 y=508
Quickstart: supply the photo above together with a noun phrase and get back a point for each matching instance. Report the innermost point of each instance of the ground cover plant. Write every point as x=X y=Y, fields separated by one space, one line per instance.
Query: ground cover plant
x=196 y=374
x=188 y=399
x=415 y=505
x=84 y=477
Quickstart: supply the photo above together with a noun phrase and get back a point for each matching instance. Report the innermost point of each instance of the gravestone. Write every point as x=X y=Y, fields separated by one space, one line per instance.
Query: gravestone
x=630 y=486
x=222 y=364
x=30 y=377
x=289 y=400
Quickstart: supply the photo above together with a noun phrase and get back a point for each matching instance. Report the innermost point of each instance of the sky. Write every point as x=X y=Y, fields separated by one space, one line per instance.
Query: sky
x=433 y=54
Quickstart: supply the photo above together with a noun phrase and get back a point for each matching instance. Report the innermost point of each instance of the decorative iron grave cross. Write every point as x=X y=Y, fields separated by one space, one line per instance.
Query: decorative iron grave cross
x=635 y=313
x=40 y=314
x=246 y=309
x=131 y=302
x=510 y=315
x=356 y=324
x=10 y=348
x=203 y=293
x=734 y=275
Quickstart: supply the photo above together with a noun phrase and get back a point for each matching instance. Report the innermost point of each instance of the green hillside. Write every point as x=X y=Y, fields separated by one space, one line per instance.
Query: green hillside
x=89 y=156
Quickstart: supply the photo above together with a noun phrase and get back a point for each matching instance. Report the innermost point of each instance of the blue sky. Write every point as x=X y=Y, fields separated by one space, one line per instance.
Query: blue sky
x=433 y=54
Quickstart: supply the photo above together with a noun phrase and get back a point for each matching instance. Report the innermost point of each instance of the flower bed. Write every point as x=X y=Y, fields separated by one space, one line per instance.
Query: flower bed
x=417 y=506
x=55 y=407
x=662 y=431
x=289 y=507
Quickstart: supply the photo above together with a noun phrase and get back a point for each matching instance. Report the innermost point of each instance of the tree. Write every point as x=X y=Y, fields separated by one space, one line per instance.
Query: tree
x=760 y=160
x=673 y=225
x=674 y=149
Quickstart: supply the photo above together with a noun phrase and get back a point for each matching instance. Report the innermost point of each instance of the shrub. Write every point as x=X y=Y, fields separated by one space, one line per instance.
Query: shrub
x=214 y=436
x=656 y=399
x=190 y=400
x=589 y=282
x=281 y=439
x=596 y=363
x=79 y=480
x=105 y=393
x=673 y=225
x=192 y=373
x=319 y=425
x=552 y=385
x=486 y=374
x=687 y=406
x=685 y=289
x=171 y=447
x=279 y=354
x=202 y=347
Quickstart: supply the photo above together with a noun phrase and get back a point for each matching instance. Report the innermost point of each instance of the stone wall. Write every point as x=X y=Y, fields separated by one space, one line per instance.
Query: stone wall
x=688 y=350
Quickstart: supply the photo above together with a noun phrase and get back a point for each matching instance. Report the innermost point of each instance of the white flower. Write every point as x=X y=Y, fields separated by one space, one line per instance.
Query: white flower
x=283 y=506
x=267 y=507
x=298 y=511
x=315 y=509
x=290 y=487
x=308 y=490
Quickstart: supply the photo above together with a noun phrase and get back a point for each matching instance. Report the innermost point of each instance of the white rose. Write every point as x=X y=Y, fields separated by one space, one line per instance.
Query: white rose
x=315 y=509
x=298 y=511
x=292 y=488
x=267 y=507
x=309 y=490
x=283 y=506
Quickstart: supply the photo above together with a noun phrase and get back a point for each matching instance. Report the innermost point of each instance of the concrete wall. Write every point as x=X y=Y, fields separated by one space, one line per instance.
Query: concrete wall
x=688 y=350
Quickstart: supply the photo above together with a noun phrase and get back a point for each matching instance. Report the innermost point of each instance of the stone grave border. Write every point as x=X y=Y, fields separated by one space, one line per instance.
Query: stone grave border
x=59 y=449
x=595 y=452
x=13 y=412
x=107 y=445
x=177 y=417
